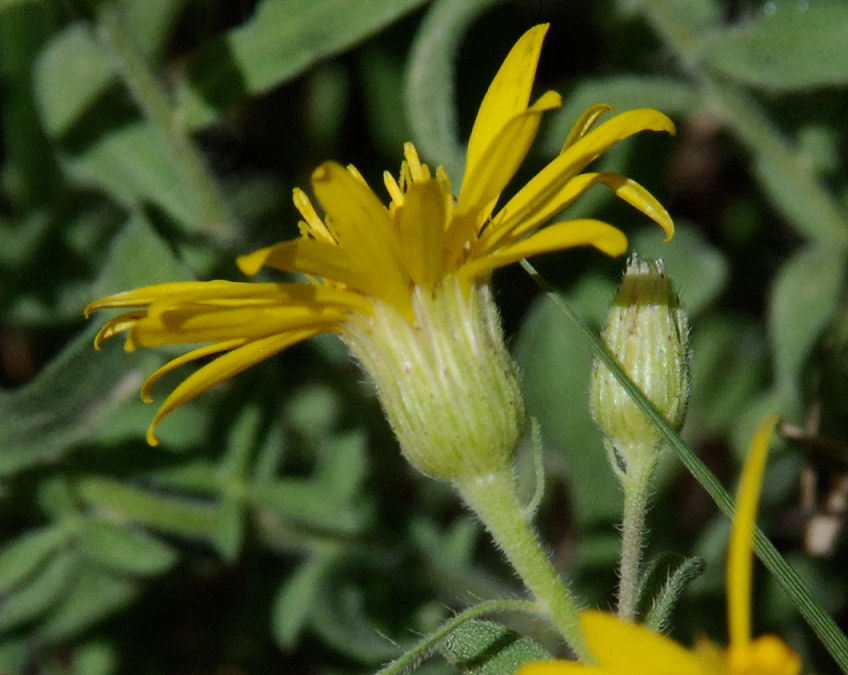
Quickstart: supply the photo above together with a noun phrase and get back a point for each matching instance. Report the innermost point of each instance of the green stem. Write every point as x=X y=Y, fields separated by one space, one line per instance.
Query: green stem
x=823 y=625
x=156 y=107
x=635 y=483
x=494 y=498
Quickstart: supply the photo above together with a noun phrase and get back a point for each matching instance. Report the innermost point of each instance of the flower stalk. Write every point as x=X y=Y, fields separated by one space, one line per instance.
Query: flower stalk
x=494 y=498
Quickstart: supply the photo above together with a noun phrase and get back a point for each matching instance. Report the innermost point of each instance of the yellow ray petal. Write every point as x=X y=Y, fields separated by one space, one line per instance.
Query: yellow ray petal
x=506 y=229
x=189 y=324
x=486 y=179
x=580 y=232
x=117 y=325
x=585 y=123
x=141 y=297
x=308 y=256
x=421 y=226
x=188 y=357
x=223 y=368
x=544 y=186
x=364 y=230
x=622 y=647
x=508 y=94
x=740 y=553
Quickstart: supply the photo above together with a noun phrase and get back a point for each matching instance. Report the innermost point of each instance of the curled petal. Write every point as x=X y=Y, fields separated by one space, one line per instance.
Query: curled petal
x=585 y=123
x=188 y=357
x=141 y=297
x=507 y=228
x=117 y=325
x=547 y=184
x=223 y=368
x=581 y=232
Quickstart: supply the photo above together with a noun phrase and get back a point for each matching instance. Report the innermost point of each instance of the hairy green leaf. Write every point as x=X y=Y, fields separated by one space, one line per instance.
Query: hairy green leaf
x=280 y=41
x=133 y=164
x=794 y=48
x=487 y=648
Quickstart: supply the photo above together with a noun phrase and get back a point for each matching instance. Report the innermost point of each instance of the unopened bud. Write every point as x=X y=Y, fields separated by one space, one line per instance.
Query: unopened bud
x=648 y=333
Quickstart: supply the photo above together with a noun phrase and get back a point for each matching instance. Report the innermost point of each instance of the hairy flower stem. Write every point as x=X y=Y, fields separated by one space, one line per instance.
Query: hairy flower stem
x=494 y=498
x=635 y=483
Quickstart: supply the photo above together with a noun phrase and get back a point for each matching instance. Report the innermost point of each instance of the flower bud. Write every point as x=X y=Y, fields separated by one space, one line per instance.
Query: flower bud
x=445 y=380
x=648 y=333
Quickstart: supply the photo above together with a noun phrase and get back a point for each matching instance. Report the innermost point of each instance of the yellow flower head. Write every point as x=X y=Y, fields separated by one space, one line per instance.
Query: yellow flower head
x=622 y=648
x=368 y=263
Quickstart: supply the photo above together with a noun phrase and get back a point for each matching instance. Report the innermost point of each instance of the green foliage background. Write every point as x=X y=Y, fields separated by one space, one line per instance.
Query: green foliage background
x=277 y=529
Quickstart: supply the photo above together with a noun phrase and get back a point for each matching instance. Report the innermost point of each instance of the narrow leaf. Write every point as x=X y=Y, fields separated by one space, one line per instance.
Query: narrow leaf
x=23 y=556
x=125 y=549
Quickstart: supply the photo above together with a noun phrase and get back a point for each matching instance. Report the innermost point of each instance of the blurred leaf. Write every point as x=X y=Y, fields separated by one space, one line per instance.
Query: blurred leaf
x=728 y=368
x=230 y=528
x=309 y=502
x=698 y=269
x=125 y=549
x=382 y=76
x=132 y=164
x=71 y=71
x=174 y=515
x=328 y=94
x=280 y=41
x=313 y=412
x=97 y=657
x=296 y=598
x=152 y=23
x=340 y=618
x=555 y=364
x=20 y=558
x=80 y=389
x=21 y=239
x=794 y=48
x=43 y=590
x=804 y=298
x=487 y=648
x=8 y=4
x=73 y=395
x=430 y=77
x=30 y=176
x=345 y=466
x=14 y=654
x=94 y=596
